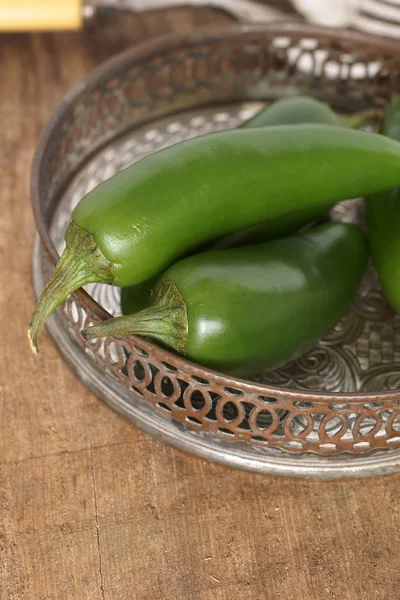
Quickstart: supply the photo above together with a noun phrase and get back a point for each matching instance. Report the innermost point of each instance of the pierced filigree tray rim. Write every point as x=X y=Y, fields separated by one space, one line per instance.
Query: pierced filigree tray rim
x=241 y=455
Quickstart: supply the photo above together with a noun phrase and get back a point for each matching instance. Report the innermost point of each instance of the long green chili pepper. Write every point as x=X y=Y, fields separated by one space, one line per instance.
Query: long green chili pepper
x=143 y=219
x=246 y=309
x=302 y=109
x=295 y=110
x=383 y=220
x=288 y=111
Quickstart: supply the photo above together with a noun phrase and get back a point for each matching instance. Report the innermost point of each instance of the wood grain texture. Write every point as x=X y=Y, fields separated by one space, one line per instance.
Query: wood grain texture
x=92 y=508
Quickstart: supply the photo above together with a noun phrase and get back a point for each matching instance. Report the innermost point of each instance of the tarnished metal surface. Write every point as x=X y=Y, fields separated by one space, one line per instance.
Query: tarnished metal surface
x=332 y=399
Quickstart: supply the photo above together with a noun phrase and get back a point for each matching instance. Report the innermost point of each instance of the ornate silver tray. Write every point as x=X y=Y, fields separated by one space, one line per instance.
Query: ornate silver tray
x=335 y=412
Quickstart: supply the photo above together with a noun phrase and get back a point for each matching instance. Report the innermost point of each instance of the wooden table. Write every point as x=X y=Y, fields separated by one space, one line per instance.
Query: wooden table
x=92 y=508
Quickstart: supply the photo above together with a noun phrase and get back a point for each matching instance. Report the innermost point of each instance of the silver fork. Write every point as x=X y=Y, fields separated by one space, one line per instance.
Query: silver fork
x=243 y=10
x=379 y=17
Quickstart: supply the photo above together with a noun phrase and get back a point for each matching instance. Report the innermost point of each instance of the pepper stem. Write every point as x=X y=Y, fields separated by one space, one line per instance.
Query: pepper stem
x=80 y=263
x=359 y=119
x=165 y=320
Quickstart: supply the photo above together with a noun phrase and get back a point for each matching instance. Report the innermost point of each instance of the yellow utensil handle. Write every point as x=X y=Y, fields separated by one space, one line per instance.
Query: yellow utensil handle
x=40 y=15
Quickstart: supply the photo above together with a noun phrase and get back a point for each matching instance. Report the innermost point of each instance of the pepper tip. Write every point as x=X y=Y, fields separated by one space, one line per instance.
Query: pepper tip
x=32 y=342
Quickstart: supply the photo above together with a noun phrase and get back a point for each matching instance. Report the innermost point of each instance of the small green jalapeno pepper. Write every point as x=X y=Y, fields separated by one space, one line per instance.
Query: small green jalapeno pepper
x=302 y=109
x=295 y=110
x=143 y=219
x=246 y=309
x=289 y=111
x=136 y=297
x=383 y=220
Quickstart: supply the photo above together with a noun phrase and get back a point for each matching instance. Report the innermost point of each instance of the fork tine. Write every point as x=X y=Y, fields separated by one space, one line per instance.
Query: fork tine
x=377 y=27
x=395 y=2
x=374 y=8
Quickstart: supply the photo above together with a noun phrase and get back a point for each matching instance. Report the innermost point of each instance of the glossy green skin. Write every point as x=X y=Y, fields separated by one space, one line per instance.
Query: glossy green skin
x=383 y=221
x=136 y=297
x=256 y=307
x=298 y=110
x=147 y=216
x=289 y=111
x=292 y=111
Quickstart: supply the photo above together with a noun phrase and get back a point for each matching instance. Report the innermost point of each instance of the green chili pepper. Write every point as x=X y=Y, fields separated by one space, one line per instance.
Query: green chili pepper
x=136 y=297
x=296 y=110
x=383 y=220
x=302 y=109
x=289 y=111
x=143 y=219
x=246 y=309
